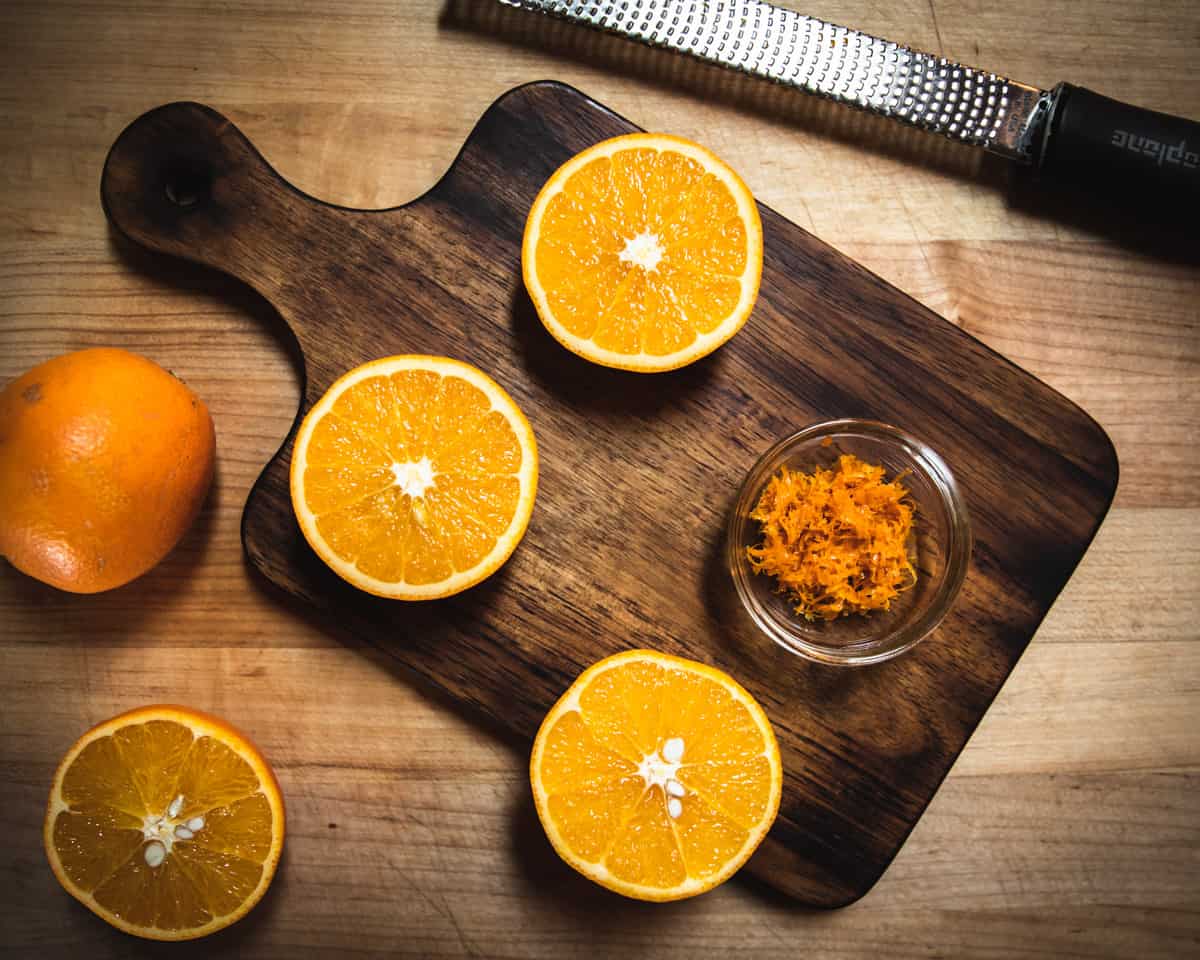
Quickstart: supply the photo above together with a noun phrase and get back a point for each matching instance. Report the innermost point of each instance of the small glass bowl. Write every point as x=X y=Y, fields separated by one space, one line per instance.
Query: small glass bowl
x=942 y=545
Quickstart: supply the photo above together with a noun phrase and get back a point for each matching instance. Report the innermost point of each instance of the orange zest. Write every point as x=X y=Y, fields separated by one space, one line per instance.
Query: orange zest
x=165 y=822
x=835 y=540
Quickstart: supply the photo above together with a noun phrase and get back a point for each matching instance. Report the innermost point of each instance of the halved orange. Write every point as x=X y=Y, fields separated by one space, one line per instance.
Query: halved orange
x=166 y=822
x=414 y=477
x=643 y=252
x=655 y=776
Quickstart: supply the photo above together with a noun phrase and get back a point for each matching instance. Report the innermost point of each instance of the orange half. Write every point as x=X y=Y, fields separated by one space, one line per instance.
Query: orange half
x=166 y=822
x=643 y=252
x=414 y=477
x=655 y=776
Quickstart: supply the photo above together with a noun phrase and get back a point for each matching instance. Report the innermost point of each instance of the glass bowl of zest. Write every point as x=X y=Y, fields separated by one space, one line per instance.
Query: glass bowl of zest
x=937 y=545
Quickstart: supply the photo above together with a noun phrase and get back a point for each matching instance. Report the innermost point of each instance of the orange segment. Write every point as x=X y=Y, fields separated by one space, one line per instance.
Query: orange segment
x=414 y=476
x=656 y=777
x=590 y=819
x=645 y=854
x=643 y=252
x=707 y=838
x=575 y=761
x=165 y=822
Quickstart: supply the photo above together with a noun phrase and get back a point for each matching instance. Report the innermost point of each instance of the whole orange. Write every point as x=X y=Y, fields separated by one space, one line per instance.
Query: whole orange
x=105 y=459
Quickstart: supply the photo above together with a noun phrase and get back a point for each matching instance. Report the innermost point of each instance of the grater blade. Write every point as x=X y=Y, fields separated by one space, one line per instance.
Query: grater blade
x=879 y=76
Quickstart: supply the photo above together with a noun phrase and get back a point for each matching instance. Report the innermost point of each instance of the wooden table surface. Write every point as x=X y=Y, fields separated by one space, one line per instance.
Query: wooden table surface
x=1070 y=826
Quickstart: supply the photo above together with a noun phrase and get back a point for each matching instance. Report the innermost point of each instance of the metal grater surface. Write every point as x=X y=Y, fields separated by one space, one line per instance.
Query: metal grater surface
x=844 y=65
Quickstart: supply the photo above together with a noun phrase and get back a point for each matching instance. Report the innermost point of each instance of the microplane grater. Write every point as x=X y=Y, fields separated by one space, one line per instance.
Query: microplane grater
x=1067 y=130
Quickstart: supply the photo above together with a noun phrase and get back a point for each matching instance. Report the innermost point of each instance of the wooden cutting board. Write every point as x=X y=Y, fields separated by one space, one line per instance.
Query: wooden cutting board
x=638 y=472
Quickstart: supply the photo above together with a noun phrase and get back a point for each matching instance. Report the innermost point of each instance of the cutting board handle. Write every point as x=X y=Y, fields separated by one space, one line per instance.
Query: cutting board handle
x=183 y=180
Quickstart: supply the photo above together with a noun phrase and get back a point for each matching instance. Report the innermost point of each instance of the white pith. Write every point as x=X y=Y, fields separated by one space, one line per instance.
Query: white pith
x=414 y=477
x=658 y=769
x=643 y=250
x=163 y=829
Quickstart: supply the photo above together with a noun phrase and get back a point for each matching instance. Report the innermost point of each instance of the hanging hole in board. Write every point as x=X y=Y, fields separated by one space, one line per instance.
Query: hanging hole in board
x=186 y=188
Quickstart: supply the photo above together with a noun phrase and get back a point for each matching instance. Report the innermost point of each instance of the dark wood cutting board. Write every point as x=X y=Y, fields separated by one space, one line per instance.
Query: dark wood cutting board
x=638 y=472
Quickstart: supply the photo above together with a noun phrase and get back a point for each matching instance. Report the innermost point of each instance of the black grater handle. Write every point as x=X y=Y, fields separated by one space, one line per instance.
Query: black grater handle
x=1123 y=151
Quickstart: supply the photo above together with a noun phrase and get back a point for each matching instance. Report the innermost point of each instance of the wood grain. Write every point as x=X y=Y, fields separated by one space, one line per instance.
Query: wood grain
x=1027 y=848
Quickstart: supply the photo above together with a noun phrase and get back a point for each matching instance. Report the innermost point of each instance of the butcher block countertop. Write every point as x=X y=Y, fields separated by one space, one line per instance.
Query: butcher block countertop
x=1070 y=824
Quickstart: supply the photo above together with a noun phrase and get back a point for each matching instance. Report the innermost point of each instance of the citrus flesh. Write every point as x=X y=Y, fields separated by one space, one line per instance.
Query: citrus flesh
x=165 y=822
x=643 y=252
x=414 y=476
x=655 y=776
